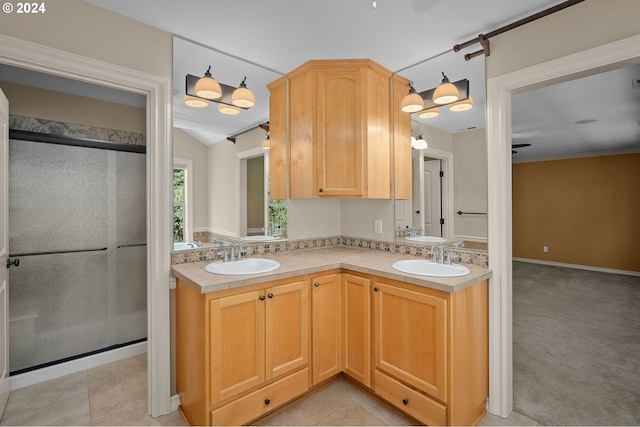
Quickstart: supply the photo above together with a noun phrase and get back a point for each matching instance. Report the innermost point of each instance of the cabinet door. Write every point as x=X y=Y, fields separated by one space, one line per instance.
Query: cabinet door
x=236 y=328
x=410 y=337
x=340 y=133
x=356 y=328
x=287 y=328
x=326 y=324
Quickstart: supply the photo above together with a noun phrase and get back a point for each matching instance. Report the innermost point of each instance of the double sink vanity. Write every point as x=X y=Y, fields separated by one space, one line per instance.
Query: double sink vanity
x=255 y=334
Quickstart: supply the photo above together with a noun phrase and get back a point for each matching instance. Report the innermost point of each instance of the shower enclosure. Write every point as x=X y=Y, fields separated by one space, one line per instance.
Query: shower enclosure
x=77 y=225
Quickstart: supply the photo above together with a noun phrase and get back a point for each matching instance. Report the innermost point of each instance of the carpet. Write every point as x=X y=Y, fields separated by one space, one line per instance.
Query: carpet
x=576 y=345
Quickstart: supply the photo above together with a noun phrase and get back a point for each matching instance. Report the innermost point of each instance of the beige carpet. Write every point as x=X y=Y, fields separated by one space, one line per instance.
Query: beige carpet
x=576 y=346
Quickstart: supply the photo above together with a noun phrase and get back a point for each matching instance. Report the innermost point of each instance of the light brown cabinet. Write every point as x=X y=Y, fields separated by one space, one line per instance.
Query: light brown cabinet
x=326 y=326
x=253 y=342
x=242 y=353
x=431 y=351
x=356 y=297
x=340 y=136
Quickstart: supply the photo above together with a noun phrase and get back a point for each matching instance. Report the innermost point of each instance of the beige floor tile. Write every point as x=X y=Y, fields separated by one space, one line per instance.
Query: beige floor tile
x=350 y=414
x=515 y=419
x=380 y=411
x=63 y=401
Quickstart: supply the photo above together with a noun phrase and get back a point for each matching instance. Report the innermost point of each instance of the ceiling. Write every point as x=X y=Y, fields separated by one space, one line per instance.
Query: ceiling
x=263 y=39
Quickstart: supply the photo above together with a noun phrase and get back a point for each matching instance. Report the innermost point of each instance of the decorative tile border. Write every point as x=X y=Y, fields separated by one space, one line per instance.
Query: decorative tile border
x=32 y=124
x=211 y=253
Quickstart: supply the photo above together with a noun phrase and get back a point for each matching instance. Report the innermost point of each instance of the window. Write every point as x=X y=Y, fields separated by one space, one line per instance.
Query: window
x=182 y=200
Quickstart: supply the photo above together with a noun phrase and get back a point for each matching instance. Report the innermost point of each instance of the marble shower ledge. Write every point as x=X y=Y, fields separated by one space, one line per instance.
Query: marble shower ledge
x=32 y=124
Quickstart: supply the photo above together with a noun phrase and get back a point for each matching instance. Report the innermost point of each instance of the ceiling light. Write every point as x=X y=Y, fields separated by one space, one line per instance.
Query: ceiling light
x=230 y=110
x=431 y=113
x=242 y=97
x=446 y=93
x=207 y=87
x=418 y=143
x=464 y=105
x=412 y=102
x=195 y=102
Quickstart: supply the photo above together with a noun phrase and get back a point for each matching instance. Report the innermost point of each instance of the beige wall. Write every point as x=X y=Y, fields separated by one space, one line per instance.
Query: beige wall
x=585 y=210
x=49 y=105
x=470 y=183
x=582 y=26
x=84 y=29
x=223 y=180
x=189 y=148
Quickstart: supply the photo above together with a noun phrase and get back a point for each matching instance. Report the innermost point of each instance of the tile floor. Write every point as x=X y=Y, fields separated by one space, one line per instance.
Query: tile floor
x=116 y=394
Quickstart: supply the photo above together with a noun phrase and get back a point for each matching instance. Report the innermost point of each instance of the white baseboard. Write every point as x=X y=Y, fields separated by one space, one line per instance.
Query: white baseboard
x=581 y=267
x=78 y=365
x=175 y=402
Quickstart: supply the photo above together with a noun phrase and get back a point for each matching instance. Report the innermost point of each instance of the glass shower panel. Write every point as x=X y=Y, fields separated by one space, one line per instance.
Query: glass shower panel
x=57 y=197
x=131 y=301
x=58 y=307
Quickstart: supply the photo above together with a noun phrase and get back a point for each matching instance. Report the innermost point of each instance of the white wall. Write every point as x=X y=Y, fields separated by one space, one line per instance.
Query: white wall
x=187 y=147
x=470 y=183
x=313 y=218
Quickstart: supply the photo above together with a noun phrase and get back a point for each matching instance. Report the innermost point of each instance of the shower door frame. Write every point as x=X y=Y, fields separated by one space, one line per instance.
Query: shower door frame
x=158 y=91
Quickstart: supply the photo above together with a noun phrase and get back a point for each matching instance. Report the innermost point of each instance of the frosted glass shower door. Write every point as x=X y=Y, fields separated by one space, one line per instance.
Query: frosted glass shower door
x=78 y=227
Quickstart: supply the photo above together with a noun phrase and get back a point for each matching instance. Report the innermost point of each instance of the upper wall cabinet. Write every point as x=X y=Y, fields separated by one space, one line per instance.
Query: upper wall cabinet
x=340 y=130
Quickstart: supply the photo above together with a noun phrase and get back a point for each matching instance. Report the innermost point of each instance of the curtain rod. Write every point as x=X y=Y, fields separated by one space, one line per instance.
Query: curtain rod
x=483 y=39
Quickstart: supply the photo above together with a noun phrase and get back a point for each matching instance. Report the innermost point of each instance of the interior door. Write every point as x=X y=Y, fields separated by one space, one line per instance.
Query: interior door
x=417 y=188
x=4 y=252
x=432 y=198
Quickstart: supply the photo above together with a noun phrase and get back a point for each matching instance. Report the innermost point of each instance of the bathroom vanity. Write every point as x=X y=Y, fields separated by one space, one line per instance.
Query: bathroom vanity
x=249 y=344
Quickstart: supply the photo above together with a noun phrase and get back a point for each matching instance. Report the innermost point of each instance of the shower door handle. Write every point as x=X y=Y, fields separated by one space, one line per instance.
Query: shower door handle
x=15 y=262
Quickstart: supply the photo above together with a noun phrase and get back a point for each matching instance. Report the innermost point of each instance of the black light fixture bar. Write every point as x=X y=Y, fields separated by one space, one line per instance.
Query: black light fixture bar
x=227 y=91
x=427 y=95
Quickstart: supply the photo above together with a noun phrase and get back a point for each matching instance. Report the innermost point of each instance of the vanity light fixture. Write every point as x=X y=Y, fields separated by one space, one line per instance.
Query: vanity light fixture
x=430 y=113
x=243 y=97
x=195 y=102
x=457 y=93
x=412 y=101
x=464 y=105
x=446 y=93
x=418 y=143
x=207 y=87
x=199 y=91
x=230 y=110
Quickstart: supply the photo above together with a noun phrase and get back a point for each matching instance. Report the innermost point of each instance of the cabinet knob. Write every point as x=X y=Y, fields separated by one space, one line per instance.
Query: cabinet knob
x=262 y=298
x=375 y=289
x=270 y=295
x=317 y=285
x=405 y=401
x=267 y=401
x=320 y=190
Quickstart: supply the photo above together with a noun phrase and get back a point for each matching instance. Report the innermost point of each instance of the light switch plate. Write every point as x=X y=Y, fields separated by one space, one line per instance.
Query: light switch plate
x=377 y=225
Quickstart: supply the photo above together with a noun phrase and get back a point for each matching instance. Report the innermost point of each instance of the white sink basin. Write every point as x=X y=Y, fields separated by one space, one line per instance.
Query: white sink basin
x=429 y=268
x=258 y=238
x=427 y=239
x=244 y=266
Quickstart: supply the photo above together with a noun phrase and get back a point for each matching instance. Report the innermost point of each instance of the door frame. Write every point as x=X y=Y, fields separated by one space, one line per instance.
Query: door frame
x=241 y=186
x=158 y=91
x=498 y=109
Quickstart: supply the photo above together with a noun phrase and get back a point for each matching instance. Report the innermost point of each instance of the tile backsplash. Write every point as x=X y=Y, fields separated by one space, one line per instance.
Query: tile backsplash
x=211 y=253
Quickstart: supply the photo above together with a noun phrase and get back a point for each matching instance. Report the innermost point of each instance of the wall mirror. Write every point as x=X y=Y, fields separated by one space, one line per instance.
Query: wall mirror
x=221 y=185
x=449 y=176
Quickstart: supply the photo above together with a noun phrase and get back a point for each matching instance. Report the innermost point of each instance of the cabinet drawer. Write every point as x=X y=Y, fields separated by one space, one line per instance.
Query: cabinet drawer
x=410 y=401
x=253 y=405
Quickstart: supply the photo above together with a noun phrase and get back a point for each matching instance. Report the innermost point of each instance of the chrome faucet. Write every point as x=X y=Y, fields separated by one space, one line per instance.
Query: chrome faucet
x=437 y=254
x=235 y=252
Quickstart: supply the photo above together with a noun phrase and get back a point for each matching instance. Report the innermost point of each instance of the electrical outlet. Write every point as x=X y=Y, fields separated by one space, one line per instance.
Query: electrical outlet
x=545 y=249
x=377 y=225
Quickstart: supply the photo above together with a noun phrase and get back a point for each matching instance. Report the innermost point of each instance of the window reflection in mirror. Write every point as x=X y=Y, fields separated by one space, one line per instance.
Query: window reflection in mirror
x=450 y=174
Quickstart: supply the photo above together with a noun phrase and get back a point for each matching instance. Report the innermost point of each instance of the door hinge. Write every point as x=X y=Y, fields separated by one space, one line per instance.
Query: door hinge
x=441 y=221
x=441 y=174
